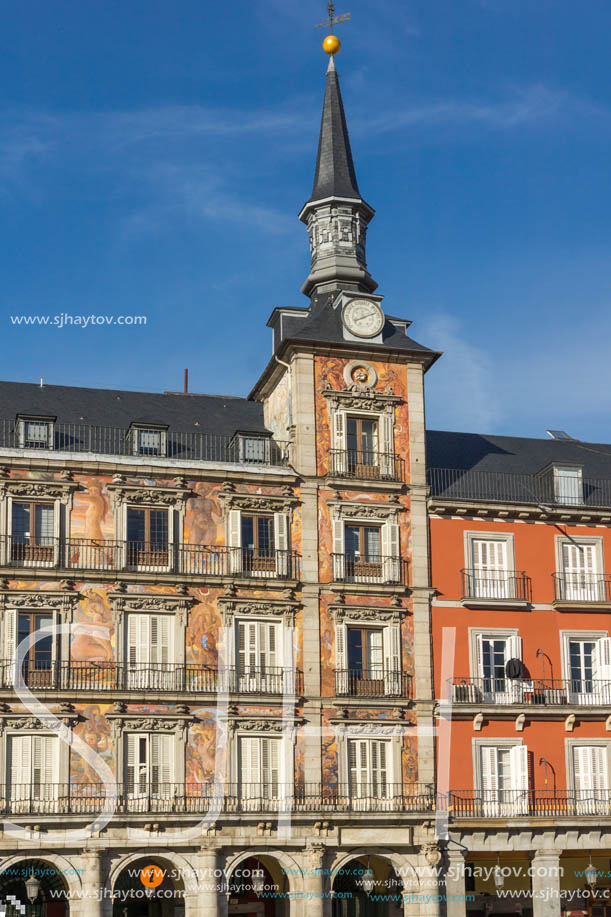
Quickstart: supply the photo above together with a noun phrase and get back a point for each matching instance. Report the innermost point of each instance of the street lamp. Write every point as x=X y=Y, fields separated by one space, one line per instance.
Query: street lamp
x=32 y=888
x=591 y=874
x=258 y=881
x=499 y=878
x=368 y=880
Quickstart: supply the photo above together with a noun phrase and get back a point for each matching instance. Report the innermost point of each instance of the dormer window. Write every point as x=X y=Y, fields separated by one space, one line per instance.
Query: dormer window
x=35 y=432
x=149 y=440
x=568 y=484
x=251 y=448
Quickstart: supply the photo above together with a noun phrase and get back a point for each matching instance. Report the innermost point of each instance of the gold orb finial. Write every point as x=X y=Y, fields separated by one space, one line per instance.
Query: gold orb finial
x=331 y=44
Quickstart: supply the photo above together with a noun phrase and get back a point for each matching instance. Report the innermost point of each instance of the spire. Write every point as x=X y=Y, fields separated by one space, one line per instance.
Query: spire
x=336 y=215
x=335 y=175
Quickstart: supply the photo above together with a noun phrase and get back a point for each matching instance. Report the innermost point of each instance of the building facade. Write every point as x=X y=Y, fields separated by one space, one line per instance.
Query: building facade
x=520 y=543
x=228 y=601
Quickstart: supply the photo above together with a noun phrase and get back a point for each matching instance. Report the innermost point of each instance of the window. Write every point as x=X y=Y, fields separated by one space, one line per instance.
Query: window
x=258 y=650
x=568 y=485
x=365 y=660
x=489 y=574
x=362 y=442
x=368 y=770
x=363 y=554
x=38 y=662
x=259 y=769
x=258 y=543
x=149 y=651
x=149 y=770
x=579 y=580
x=493 y=652
x=35 y=433
x=590 y=777
x=33 y=526
x=588 y=664
x=33 y=770
x=503 y=779
x=147 y=537
x=255 y=449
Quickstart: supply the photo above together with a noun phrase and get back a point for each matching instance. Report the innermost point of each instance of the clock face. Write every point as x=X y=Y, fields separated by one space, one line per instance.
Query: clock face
x=363 y=318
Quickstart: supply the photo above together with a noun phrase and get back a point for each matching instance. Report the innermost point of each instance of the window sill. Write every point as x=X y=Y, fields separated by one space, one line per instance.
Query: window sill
x=475 y=602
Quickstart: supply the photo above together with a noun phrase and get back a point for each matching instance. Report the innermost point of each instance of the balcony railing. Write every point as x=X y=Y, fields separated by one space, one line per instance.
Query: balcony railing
x=375 y=568
x=154 y=676
x=495 y=585
x=197 y=798
x=504 y=487
x=529 y=803
x=367 y=466
x=191 y=446
x=543 y=692
x=582 y=587
x=359 y=683
x=102 y=554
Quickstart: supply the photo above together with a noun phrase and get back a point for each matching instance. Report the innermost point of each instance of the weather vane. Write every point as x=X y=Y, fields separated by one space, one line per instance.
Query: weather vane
x=332 y=44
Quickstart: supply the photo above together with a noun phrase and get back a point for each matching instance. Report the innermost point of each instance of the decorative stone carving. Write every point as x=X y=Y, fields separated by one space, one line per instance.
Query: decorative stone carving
x=259 y=503
x=61 y=490
x=315 y=854
x=348 y=613
x=381 y=512
x=360 y=375
x=19 y=721
x=478 y=721
x=256 y=724
x=172 y=497
x=176 y=724
x=234 y=607
x=360 y=398
x=432 y=854
x=63 y=602
x=124 y=602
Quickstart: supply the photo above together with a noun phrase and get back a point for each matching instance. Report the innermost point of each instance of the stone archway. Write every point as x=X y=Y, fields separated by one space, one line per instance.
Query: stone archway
x=258 y=884
x=52 y=898
x=148 y=886
x=367 y=885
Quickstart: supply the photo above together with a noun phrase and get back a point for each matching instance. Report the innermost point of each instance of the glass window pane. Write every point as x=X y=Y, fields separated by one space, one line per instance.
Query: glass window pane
x=372 y=544
x=44 y=524
x=353 y=547
x=149 y=442
x=266 y=536
x=248 y=533
x=21 y=520
x=355 y=649
x=136 y=525
x=159 y=527
x=36 y=433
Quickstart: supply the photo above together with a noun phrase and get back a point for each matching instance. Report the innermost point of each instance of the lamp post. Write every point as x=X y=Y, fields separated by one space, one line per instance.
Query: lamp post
x=368 y=880
x=32 y=888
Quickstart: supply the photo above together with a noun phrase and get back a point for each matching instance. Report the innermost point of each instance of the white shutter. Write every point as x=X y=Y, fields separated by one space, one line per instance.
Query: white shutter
x=281 y=539
x=161 y=764
x=514 y=647
x=340 y=464
x=387 y=446
x=603 y=674
x=160 y=638
x=390 y=552
x=20 y=779
x=132 y=764
x=579 y=562
x=490 y=779
x=392 y=659
x=339 y=562
x=341 y=662
x=250 y=767
x=379 y=774
x=269 y=766
x=10 y=634
x=43 y=766
x=518 y=759
x=234 y=539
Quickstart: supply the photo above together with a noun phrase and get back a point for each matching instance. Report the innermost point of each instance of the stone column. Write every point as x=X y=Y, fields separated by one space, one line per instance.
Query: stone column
x=428 y=888
x=546 y=883
x=456 y=905
x=314 y=882
x=93 y=901
x=204 y=890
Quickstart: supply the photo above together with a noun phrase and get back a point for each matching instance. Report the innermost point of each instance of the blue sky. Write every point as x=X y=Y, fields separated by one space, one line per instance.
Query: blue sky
x=154 y=157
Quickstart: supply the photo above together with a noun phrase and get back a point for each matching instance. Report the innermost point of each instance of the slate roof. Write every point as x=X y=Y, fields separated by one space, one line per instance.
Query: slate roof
x=514 y=454
x=335 y=175
x=116 y=408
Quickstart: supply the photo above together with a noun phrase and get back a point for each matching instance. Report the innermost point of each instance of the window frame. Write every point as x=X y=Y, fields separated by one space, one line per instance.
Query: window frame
x=51 y=550
x=22 y=423
x=169 y=548
x=137 y=428
x=570 y=744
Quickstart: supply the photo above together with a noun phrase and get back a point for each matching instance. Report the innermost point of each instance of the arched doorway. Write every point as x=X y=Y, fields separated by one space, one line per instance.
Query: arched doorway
x=257 y=887
x=51 y=899
x=148 y=887
x=367 y=886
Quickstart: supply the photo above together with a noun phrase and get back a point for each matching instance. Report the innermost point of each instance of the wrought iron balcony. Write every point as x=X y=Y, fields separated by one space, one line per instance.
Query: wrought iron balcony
x=197 y=799
x=243 y=449
x=105 y=554
x=375 y=568
x=582 y=587
x=359 y=683
x=80 y=676
x=367 y=466
x=538 y=692
x=502 y=585
x=504 y=487
x=527 y=803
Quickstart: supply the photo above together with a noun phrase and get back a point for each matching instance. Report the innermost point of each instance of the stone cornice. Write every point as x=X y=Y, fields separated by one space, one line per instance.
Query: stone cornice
x=62 y=490
x=124 y=720
x=372 y=613
x=348 y=509
x=361 y=398
x=38 y=599
x=22 y=721
x=275 y=503
x=233 y=606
